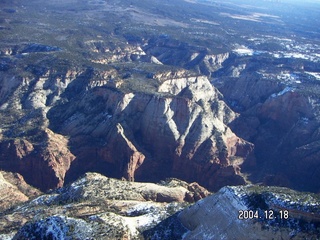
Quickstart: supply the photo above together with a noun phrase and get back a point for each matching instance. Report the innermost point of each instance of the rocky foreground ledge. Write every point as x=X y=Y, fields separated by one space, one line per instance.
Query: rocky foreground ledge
x=97 y=207
x=253 y=212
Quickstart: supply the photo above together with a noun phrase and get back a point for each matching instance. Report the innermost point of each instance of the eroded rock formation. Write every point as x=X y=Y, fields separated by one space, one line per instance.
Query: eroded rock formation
x=42 y=165
x=14 y=190
x=220 y=215
x=98 y=207
x=179 y=132
x=171 y=123
x=281 y=119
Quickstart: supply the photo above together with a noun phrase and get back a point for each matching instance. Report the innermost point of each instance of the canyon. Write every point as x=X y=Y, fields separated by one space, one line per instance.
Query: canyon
x=93 y=92
x=149 y=107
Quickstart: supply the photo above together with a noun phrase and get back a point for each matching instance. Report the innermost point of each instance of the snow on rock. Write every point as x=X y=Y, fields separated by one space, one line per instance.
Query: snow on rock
x=8 y=236
x=55 y=227
x=97 y=207
x=286 y=76
x=44 y=199
x=287 y=89
x=140 y=208
x=314 y=74
x=214 y=215
x=134 y=224
x=217 y=216
x=243 y=51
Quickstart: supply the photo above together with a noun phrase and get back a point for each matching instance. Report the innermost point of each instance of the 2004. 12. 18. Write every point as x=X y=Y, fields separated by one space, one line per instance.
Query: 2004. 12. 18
x=267 y=214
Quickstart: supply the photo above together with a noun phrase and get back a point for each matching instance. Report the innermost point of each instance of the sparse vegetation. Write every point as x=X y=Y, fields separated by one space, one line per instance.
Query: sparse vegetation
x=60 y=60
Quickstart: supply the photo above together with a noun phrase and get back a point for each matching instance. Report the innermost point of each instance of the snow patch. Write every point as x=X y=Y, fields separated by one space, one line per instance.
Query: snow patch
x=296 y=55
x=135 y=223
x=243 y=51
x=255 y=17
x=235 y=195
x=286 y=76
x=314 y=74
x=44 y=199
x=141 y=208
x=8 y=236
x=78 y=183
x=287 y=89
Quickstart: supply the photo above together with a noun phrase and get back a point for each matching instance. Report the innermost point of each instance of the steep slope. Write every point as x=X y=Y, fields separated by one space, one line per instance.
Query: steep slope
x=43 y=165
x=106 y=98
x=150 y=137
x=148 y=124
x=123 y=88
x=251 y=212
x=279 y=114
x=14 y=190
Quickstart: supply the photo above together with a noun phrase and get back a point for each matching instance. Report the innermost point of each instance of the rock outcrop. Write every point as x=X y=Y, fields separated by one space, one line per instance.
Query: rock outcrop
x=220 y=215
x=14 y=190
x=176 y=53
x=43 y=165
x=180 y=131
x=141 y=124
x=281 y=118
x=98 y=207
x=132 y=95
x=172 y=123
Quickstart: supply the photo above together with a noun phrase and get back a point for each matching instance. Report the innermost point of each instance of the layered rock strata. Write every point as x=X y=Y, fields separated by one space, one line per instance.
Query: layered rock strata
x=180 y=131
x=59 y=123
x=14 y=190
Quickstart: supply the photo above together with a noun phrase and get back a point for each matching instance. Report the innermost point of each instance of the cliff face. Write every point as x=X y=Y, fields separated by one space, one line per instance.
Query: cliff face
x=140 y=126
x=176 y=53
x=281 y=119
x=42 y=166
x=179 y=132
x=14 y=190
x=127 y=91
x=295 y=117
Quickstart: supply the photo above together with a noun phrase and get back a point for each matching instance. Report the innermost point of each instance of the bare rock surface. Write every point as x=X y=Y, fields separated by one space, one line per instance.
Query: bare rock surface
x=146 y=136
x=279 y=114
x=145 y=128
x=245 y=212
x=14 y=190
x=146 y=90
x=98 y=207
x=42 y=165
x=219 y=216
x=113 y=100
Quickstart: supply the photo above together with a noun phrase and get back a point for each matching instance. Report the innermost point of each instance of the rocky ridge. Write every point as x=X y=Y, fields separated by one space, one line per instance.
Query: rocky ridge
x=120 y=96
x=94 y=86
x=168 y=122
x=45 y=163
x=212 y=218
x=279 y=114
x=98 y=207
